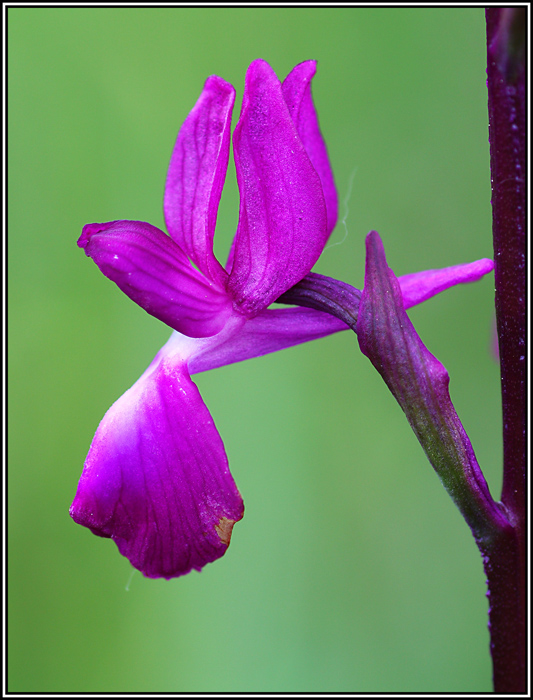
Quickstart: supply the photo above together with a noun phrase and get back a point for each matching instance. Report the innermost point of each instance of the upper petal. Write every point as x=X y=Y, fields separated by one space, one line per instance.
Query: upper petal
x=156 y=479
x=282 y=220
x=297 y=93
x=196 y=175
x=153 y=271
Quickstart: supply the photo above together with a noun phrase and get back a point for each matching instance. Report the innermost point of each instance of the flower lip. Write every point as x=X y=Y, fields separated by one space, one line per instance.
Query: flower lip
x=156 y=479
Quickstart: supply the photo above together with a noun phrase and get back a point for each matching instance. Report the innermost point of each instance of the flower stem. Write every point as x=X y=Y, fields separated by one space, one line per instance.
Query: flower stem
x=505 y=565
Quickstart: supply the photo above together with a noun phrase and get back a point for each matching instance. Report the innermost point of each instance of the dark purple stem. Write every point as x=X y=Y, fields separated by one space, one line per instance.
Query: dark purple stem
x=505 y=563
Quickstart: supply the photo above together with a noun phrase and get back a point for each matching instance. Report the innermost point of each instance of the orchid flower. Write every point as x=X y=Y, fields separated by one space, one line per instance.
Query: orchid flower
x=156 y=478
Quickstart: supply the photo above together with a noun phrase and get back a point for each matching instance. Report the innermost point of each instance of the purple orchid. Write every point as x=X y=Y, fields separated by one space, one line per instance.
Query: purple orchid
x=156 y=479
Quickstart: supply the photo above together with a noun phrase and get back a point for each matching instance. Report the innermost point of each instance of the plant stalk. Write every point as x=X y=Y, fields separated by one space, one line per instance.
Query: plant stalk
x=505 y=564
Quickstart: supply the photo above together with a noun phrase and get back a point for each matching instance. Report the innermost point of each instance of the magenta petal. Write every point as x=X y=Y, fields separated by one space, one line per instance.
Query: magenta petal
x=153 y=271
x=196 y=176
x=297 y=93
x=156 y=479
x=269 y=331
x=282 y=220
x=420 y=286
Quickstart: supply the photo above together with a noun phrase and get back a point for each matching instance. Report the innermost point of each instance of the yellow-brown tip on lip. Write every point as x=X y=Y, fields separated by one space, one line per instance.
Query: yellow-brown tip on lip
x=224 y=528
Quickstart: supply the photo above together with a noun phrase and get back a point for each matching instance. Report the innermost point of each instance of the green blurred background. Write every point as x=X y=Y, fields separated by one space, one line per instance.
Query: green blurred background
x=352 y=570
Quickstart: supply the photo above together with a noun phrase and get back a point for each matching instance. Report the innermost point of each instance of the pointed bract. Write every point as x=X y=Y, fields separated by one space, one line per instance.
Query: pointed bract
x=419 y=382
